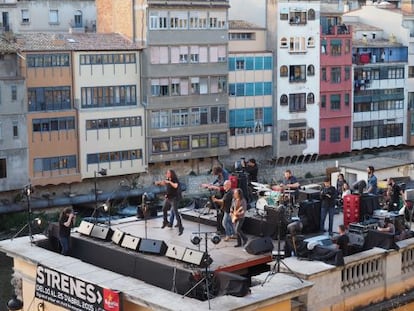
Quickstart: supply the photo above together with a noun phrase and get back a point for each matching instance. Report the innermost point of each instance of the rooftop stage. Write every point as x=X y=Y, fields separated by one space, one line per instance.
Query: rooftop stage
x=161 y=262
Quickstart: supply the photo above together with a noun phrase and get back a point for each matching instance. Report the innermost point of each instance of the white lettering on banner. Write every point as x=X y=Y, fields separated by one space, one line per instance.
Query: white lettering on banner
x=78 y=293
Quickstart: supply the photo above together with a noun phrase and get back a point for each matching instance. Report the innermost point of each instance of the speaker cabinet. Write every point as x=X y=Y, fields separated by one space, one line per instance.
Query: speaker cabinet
x=196 y=257
x=118 y=236
x=85 y=228
x=155 y=247
x=175 y=252
x=232 y=284
x=101 y=232
x=259 y=246
x=130 y=242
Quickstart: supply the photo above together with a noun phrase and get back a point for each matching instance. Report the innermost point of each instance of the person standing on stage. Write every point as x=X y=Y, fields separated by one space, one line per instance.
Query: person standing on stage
x=290 y=183
x=66 y=221
x=328 y=195
x=393 y=194
x=252 y=169
x=225 y=204
x=221 y=176
x=238 y=212
x=372 y=181
x=172 y=197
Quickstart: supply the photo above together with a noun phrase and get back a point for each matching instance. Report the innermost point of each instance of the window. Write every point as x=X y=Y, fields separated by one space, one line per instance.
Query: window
x=50 y=98
x=297 y=73
x=160 y=145
x=335 y=135
x=335 y=102
x=158 y=20
x=311 y=70
x=195 y=85
x=218 y=140
x=323 y=101
x=179 y=117
x=283 y=42
x=284 y=16
x=336 y=47
x=240 y=64
x=346 y=131
x=297 y=136
x=336 y=75
x=160 y=119
x=297 y=45
x=323 y=134
x=283 y=100
x=323 y=74
x=311 y=42
x=297 y=102
x=52 y=60
x=311 y=98
x=347 y=46
x=199 y=141
x=13 y=92
x=15 y=129
x=175 y=87
x=183 y=57
x=178 y=20
x=78 y=19
x=199 y=116
x=110 y=96
x=218 y=115
x=53 y=17
x=310 y=134
x=283 y=136
x=311 y=14
x=198 y=20
x=25 y=16
x=410 y=71
x=346 y=99
x=347 y=73
x=54 y=163
x=323 y=47
x=159 y=55
x=284 y=71
x=297 y=17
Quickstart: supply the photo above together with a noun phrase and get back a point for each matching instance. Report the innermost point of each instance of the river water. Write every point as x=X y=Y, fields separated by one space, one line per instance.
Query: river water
x=5 y=277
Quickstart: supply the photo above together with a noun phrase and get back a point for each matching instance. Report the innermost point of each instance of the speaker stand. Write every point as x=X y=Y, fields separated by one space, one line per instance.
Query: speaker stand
x=276 y=267
x=206 y=279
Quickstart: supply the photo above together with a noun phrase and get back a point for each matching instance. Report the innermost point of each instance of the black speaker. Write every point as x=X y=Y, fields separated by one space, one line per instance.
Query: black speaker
x=85 y=228
x=101 y=232
x=198 y=258
x=259 y=245
x=232 y=284
x=117 y=236
x=175 y=252
x=155 y=247
x=130 y=242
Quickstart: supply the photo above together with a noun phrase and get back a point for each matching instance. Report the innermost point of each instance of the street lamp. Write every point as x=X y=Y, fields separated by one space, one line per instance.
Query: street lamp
x=101 y=172
x=27 y=191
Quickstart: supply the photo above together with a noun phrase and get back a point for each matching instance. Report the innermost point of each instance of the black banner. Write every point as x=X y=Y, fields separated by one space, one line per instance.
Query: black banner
x=74 y=294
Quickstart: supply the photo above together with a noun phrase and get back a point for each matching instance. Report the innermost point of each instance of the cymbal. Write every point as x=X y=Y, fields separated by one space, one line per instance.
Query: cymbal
x=257 y=184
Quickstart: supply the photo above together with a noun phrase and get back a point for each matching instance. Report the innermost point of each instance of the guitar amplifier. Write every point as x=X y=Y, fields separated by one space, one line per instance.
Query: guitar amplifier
x=357 y=232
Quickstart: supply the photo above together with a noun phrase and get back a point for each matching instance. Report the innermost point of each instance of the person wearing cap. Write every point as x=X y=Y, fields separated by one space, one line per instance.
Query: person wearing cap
x=328 y=196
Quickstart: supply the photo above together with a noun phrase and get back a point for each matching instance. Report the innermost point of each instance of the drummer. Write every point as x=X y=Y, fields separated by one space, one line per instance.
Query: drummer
x=290 y=187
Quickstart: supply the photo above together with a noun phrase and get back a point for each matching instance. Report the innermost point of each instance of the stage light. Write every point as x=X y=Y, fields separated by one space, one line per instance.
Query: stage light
x=215 y=239
x=195 y=239
x=14 y=304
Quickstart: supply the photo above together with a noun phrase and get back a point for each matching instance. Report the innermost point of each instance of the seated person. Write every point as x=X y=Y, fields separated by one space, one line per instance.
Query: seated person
x=342 y=240
x=388 y=226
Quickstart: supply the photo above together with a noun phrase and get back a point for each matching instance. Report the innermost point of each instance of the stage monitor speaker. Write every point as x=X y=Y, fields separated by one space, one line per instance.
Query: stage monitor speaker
x=259 y=246
x=85 y=227
x=101 y=232
x=130 y=242
x=155 y=247
x=232 y=284
x=175 y=252
x=198 y=258
x=117 y=236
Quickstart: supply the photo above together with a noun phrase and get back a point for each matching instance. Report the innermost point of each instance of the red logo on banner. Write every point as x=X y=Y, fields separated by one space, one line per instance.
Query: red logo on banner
x=111 y=300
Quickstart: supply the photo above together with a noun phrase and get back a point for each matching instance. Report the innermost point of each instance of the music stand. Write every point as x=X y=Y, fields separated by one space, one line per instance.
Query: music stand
x=279 y=260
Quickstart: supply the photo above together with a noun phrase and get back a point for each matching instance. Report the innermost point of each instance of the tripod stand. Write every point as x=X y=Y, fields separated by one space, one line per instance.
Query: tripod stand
x=206 y=279
x=279 y=256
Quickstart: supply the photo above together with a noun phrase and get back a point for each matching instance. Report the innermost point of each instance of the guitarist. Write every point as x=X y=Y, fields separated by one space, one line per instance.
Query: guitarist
x=238 y=212
x=225 y=205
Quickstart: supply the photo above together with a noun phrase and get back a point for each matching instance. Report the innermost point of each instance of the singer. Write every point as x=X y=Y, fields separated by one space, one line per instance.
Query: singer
x=172 y=197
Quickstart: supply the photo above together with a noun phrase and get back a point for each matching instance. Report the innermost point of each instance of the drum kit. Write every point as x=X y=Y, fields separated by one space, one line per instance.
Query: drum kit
x=274 y=197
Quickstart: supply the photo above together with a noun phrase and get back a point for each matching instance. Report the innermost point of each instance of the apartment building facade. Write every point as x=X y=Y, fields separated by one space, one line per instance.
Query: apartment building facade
x=19 y=16
x=184 y=74
x=250 y=87
x=336 y=83
x=82 y=97
x=294 y=38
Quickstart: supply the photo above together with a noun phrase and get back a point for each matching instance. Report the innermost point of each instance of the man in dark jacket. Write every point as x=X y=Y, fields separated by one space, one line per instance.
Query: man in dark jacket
x=328 y=195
